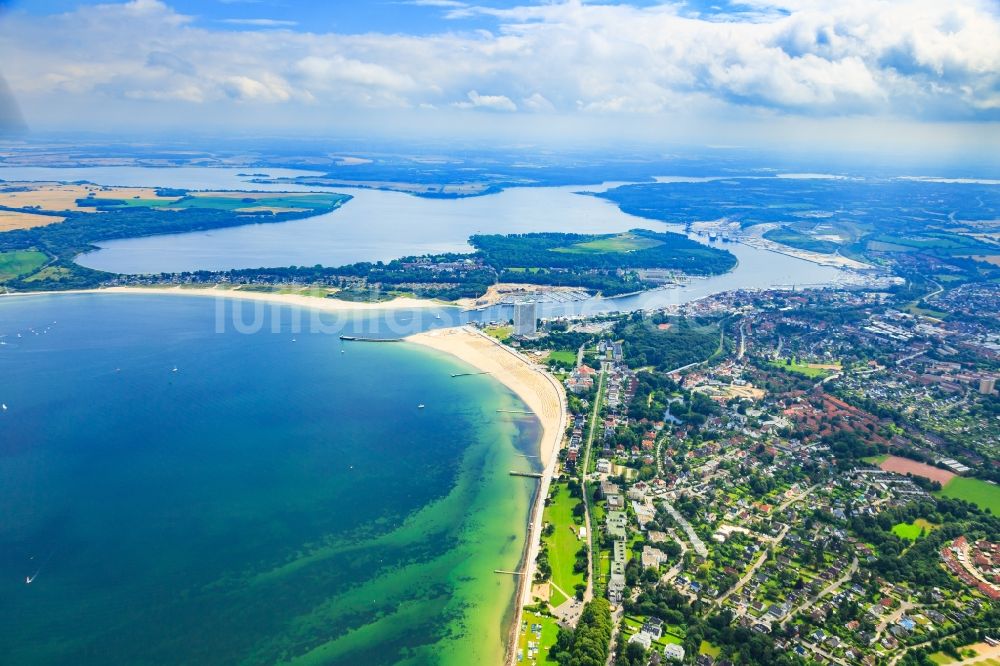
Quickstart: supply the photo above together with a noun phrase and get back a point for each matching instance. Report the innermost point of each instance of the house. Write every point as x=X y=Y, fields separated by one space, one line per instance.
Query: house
x=654 y=627
x=642 y=638
x=616 y=584
x=673 y=652
x=653 y=557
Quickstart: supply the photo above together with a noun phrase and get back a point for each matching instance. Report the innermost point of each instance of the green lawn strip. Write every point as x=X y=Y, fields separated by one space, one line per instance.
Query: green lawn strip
x=983 y=494
x=564 y=542
x=556 y=598
x=876 y=460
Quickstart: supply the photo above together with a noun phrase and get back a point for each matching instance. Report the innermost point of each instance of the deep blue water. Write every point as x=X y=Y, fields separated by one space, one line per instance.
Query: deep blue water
x=271 y=498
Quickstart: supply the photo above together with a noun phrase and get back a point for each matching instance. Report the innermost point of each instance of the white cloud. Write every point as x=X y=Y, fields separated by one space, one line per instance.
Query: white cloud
x=921 y=59
x=537 y=102
x=493 y=102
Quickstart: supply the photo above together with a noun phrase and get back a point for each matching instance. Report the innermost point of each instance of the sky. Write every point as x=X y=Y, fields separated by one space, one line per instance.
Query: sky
x=907 y=74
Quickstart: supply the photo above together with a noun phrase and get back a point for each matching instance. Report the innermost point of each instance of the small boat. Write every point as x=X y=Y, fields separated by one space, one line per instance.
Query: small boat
x=420 y=406
x=4 y=406
x=175 y=369
x=294 y=340
x=437 y=316
x=29 y=579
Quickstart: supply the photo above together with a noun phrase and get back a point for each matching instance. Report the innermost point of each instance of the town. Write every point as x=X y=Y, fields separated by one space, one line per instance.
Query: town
x=772 y=477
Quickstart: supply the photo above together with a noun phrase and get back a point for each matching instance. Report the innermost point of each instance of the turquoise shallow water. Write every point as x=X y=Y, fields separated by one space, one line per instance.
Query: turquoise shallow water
x=273 y=500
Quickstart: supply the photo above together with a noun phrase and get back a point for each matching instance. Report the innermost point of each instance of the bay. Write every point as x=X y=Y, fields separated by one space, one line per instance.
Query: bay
x=181 y=492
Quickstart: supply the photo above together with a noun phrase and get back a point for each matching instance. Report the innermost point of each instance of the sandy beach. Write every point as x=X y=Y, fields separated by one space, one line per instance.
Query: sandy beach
x=326 y=304
x=544 y=395
x=539 y=390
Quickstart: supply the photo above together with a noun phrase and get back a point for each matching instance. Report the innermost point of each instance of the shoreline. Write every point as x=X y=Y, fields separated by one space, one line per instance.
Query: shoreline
x=544 y=395
x=325 y=304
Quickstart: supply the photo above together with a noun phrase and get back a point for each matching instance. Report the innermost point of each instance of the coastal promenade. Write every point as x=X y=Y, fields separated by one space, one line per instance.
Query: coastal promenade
x=545 y=396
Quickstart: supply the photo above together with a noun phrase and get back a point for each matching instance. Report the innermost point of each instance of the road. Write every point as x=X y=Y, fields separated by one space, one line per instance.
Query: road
x=829 y=589
x=893 y=617
x=696 y=542
x=591 y=540
x=741 y=583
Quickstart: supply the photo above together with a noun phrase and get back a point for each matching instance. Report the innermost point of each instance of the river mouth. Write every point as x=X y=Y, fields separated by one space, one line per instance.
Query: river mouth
x=380 y=225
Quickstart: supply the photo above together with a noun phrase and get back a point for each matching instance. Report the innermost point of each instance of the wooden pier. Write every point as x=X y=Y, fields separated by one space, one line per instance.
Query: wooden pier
x=468 y=374
x=530 y=475
x=352 y=338
x=509 y=573
x=514 y=411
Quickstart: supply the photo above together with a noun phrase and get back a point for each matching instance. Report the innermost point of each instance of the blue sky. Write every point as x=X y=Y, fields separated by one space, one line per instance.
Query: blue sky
x=358 y=16
x=714 y=72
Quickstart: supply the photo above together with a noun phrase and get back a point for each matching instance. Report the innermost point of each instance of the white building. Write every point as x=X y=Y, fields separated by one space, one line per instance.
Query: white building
x=674 y=652
x=525 y=318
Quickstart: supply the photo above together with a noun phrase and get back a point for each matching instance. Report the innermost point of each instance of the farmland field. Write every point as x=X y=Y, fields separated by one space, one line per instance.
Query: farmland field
x=907 y=466
x=11 y=220
x=20 y=262
x=250 y=202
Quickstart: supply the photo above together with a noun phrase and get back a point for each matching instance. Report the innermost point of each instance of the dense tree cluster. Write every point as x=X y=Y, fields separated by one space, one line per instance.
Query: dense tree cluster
x=686 y=341
x=590 y=643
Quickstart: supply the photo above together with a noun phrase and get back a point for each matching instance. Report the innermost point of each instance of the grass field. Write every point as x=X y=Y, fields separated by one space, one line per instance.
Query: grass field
x=801 y=241
x=981 y=493
x=20 y=262
x=563 y=357
x=501 y=333
x=915 y=309
x=876 y=460
x=911 y=531
x=619 y=243
x=564 y=542
x=709 y=649
x=811 y=370
x=538 y=631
